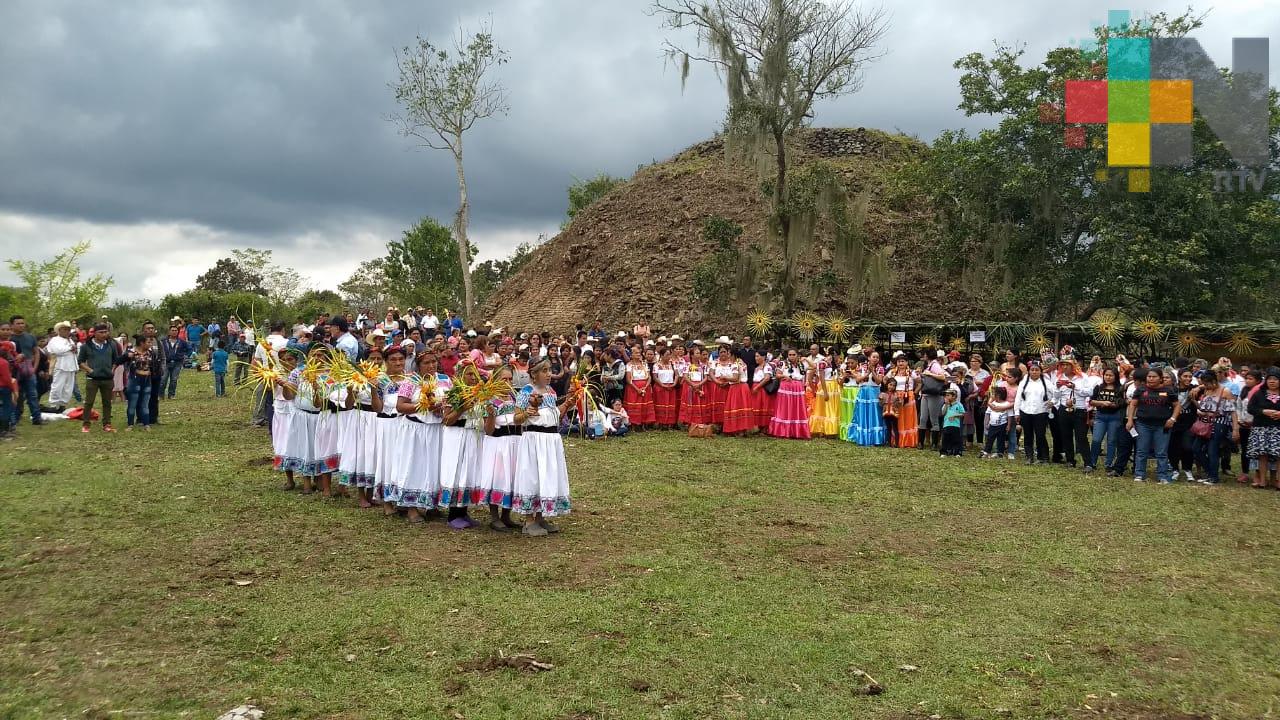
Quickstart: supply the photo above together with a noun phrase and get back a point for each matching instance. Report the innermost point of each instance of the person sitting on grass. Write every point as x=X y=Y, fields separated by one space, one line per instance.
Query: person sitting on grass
x=98 y=359
x=617 y=421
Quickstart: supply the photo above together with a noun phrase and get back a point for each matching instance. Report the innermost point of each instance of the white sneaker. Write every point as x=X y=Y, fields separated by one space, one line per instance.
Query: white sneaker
x=1138 y=479
x=1011 y=457
x=984 y=456
x=1190 y=477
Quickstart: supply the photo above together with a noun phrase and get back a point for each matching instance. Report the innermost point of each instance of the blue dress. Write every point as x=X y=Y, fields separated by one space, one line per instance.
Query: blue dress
x=868 y=424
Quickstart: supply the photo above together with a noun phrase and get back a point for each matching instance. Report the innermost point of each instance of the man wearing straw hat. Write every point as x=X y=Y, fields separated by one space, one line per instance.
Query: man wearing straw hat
x=63 y=349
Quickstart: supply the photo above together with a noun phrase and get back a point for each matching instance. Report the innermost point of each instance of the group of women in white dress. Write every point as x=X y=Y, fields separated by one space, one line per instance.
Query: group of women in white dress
x=397 y=442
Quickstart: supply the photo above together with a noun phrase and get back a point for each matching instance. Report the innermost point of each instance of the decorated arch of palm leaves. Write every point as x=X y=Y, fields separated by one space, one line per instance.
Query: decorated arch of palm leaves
x=1104 y=334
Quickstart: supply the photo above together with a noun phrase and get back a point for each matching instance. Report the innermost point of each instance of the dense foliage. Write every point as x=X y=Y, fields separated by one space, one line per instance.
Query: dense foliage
x=1022 y=214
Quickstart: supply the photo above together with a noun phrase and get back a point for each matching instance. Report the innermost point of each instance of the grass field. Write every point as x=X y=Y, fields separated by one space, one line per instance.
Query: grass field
x=165 y=575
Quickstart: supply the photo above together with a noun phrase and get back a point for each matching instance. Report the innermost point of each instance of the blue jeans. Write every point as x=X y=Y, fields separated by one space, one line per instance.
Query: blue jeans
x=1153 y=441
x=997 y=439
x=1013 y=437
x=75 y=392
x=138 y=396
x=30 y=390
x=1106 y=426
x=171 y=378
x=6 y=409
x=1208 y=449
x=219 y=384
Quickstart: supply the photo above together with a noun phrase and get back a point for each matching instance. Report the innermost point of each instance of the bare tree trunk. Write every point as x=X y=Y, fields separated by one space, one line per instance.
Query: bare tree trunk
x=784 y=224
x=460 y=234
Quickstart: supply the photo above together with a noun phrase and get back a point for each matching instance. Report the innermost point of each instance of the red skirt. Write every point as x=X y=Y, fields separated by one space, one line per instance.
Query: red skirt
x=664 y=405
x=762 y=405
x=715 y=402
x=739 y=409
x=639 y=407
x=694 y=408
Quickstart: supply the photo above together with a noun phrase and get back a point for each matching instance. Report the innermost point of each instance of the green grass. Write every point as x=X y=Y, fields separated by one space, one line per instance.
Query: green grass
x=725 y=578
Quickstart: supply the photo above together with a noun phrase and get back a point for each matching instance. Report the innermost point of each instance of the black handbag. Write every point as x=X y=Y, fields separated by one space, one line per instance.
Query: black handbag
x=771 y=385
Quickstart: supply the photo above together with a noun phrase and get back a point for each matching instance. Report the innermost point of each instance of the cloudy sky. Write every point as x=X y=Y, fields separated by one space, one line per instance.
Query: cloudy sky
x=170 y=132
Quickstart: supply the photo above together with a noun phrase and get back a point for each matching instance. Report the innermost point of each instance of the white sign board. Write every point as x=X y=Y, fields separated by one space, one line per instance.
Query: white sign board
x=977 y=336
x=898 y=337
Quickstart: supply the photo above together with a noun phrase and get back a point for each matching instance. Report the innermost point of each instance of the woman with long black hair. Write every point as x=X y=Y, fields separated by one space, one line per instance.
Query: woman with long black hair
x=1034 y=408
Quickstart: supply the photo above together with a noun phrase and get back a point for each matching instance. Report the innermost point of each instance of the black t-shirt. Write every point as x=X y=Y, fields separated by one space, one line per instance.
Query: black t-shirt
x=748 y=356
x=1112 y=394
x=1155 y=406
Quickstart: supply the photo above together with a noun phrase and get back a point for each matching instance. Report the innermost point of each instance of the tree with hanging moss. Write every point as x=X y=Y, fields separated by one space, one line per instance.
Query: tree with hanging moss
x=442 y=93
x=777 y=58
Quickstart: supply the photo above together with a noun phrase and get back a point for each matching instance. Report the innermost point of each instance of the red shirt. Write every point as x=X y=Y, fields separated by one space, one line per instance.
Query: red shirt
x=6 y=377
x=448 y=362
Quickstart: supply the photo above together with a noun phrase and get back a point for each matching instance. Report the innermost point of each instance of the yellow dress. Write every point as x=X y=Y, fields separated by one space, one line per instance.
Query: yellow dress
x=824 y=420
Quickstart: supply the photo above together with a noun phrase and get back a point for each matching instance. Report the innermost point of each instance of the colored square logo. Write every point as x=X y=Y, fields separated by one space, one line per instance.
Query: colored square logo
x=1129 y=59
x=1170 y=145
x=1086 y=101
x=1073 y=138
x=1129 y=144
x=1171 y=101
x=1128 y=101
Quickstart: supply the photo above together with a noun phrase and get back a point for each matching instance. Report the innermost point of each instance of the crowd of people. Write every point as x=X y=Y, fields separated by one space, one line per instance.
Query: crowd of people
x=394 y=446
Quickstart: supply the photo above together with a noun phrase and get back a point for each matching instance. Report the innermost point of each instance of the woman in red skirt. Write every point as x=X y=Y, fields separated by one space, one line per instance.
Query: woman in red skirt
x=790 y=413
x=638 y=396
x=664 y=390
x=694 y=409
x=761 y=401
x=723 y=373
x=739 y=408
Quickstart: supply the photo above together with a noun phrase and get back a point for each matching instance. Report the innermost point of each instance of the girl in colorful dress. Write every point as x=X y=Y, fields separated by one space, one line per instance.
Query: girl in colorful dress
x=824 y=418
x=850 y=372
x=664 y=391
x=790 y=414
x=357 y=461
x=300 y=454
x=496 y=473
x=889 y=411
x=391 y=431
x=762 y=400
x=460 y=444
x=904 y=391
x=542 y=476
x=416 y=483
x=694 y=409
x=868 y=420
x=331 y=404
x=637 y=397
x=282 y=415
x=739 y=410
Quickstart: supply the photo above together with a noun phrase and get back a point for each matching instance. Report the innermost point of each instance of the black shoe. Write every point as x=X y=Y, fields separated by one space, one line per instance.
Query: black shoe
x=1031 y=461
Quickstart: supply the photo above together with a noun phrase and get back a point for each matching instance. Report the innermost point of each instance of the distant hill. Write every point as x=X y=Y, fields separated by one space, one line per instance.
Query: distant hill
x=634 y=252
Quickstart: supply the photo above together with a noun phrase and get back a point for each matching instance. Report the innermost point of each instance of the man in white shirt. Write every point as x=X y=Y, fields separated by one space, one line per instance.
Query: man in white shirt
x=430 y=323
x=63 y=349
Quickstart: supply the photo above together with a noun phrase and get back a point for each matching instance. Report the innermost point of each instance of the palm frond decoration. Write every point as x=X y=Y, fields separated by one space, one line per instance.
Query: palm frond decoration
x=868 y=339
x=1188 y=343
x=1149 y=330
x=838 y=329
x=958 y=344
x=1106 y=329
x=1038 y=340
x=927 y=342
x=806 y=325
x=1241 y=343
x=759 y=323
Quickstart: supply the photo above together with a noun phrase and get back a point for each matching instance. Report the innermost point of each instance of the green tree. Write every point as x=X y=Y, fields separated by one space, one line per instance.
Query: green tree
x=442 y=93
x=423 y=267
x=313 y=302
x=227 y=276
x=584 y=193
x=777 y=58
x=281 y=284
x=54 y=290
x=368 y=286
x=1022 y=214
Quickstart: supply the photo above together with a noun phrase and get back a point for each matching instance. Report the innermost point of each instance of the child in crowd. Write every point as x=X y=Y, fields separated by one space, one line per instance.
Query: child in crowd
x=617 y=420
x=997 y=423
x=218 y=357
x=889 y=410
x=952 y=418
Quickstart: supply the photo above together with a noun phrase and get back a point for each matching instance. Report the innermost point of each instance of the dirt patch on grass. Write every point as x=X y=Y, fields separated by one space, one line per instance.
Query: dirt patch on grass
x=523 y=662
x=33 y=471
